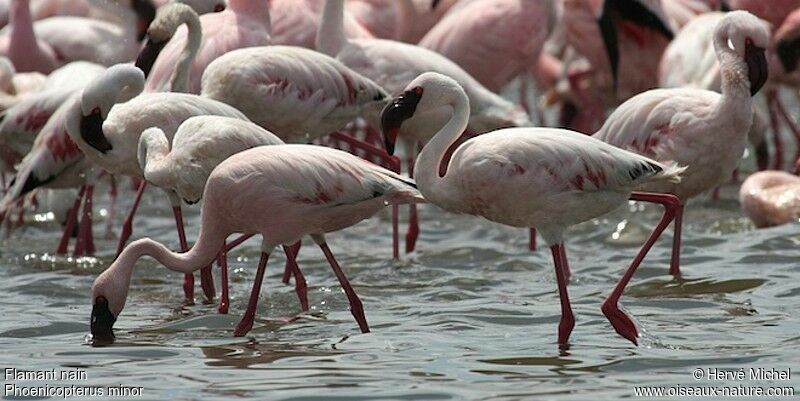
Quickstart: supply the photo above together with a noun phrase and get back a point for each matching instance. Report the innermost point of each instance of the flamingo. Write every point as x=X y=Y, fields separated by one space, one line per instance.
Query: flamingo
x=21 y=46
x=110 y=115
x=295 y=23
x=701 y=129
x=296 y=93
x=312 y=190
x=244 y=23
x=182 y=169
x=393 y=65
x=773 y=11
x=523 y=177
x=770 y=198
x=519 y=29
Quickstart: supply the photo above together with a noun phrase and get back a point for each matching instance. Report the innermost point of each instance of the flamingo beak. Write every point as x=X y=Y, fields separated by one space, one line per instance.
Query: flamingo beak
x=102 y=322
x=756 y=60
x=146 y=13
x=147 y=57
x=92 y=131
x=609 y=32
x=395 y=113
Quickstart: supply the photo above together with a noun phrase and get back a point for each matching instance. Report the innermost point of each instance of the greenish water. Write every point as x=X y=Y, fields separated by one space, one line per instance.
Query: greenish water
x=471 y=315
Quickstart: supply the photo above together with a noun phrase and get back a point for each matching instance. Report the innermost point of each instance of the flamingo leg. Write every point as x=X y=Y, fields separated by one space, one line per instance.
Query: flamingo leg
x=567 y=322
x=112 y=207
x=300 y=286
x=675 y=260
x=224 y=298
x=776 y=129
x=246 y=323
x=532 y=240
x=413 y=219
x=188 y=278
x=72 y=221
x=84 y=245
x=291 y=264
x=790 y=122
x=395 y=232
x=238 y=241
x=356 y=307
x=127 y=225
x=619 y=320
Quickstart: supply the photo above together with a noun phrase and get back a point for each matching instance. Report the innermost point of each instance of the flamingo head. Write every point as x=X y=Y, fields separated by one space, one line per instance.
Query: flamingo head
x=748 y=36
x=166 y=22
x=145 y=14
x=396 y=112
x=109 y=292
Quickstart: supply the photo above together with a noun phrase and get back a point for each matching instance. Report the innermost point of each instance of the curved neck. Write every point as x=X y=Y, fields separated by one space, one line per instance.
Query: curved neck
x=22 y=36
x=130 y=84
x=330 y=35
x=256 y=9
x=194 y=38
x=733 y=69
x=153 y=149
x=426 y=169
x=405 y=19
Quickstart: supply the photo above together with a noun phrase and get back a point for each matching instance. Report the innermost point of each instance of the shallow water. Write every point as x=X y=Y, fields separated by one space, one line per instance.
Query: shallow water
x=471 y=315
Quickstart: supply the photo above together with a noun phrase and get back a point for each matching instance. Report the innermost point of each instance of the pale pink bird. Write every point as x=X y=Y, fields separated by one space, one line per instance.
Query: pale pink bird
x=544 y=177
x=392 y=65
x=773 y=11
x=21 y=46
x=295 y=22
x=244 y=23
x=494 y=40
x=427 y=13
x=771 y=198
x=700 y=129
x=312 y=190
x=110 y=115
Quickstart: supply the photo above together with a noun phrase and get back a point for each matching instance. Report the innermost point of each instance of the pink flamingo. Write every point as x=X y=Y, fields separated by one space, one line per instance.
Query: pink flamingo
x=773 y=11
x=519 y=29
x=675 y=124
x=244 y=23
x=316 y=189
x=523 y=177
x=107 y=120
x=770 y=198
x=295 y=23
x=393 y=65
x=21 y=46
x=14 y=86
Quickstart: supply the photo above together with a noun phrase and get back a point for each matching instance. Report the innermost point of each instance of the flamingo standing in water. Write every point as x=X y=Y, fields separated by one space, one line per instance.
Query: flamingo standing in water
x=311 y=190
x=182 y=168
x=523 y=177
x=393 y=65
x=703 y=130
x=107 y=120
x=770 y=198
x=244 y=23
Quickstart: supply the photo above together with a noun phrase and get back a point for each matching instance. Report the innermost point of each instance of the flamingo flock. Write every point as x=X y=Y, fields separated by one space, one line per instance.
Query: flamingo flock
x=297 y=118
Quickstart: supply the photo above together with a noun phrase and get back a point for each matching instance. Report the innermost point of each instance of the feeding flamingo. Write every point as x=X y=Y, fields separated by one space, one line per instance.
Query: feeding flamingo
x=305 y=189
x=393 y=65
x=108 y=119
x=544 y=177
x=244 y=23
x=182 y=168
x=703 y=130
x=770 y=198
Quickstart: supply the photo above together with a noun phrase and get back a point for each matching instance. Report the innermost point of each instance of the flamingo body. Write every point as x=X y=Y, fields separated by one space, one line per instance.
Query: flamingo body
x=771 y=198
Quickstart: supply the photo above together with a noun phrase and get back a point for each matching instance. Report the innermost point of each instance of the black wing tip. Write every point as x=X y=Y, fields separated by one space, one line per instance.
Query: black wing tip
x=645 y=169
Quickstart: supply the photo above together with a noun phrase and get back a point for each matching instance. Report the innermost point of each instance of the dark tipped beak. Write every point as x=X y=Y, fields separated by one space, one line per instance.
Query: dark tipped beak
x=395 y=113
x=788 y=51
x=434 y=3
x=756 y=59
x=102 y=322
x=92 y=131
x=149 y=54
x=609 y=32
x=145 y=13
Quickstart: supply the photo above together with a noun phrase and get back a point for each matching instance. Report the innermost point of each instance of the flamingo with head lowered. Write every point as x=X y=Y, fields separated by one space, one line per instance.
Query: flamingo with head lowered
x=524 y=177
x=283 y=192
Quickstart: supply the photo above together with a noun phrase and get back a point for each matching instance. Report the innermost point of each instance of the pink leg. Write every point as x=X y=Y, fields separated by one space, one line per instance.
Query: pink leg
x=776 y=129
x=84 y=245
x=112 y=208
x=395 y=232
x=224 y=299
x=621 y=322
x=356 y=307
x=188 y=278
x=532 y=240
x=127 y=225
x=675 y=261
x=790 y=123
x=565 y=264
x=413 y=220
x=246 y=323
x=300 y=286
x=238 y=241
x=567 y=322
x=291 y=263
x=72 y=221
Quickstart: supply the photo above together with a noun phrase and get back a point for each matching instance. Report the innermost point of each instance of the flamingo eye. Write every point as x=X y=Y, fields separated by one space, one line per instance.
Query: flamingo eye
x=418 y=90
x=219 y=8
x=96 y=111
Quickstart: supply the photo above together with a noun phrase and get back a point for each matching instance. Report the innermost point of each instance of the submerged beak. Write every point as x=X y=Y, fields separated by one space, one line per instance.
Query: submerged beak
x=756 y=60
x=149 y=54
x=102 y=322
x=395 y=113
x=92 y=131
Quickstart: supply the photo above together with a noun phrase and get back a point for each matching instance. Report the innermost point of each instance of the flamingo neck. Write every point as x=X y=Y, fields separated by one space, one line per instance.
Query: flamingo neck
x=22 y=36
x=194 y=38
x=736 y=101
x=256 y=9
x=330 y=36
x=153 y=151
x=405 y=19
x=426 y=169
